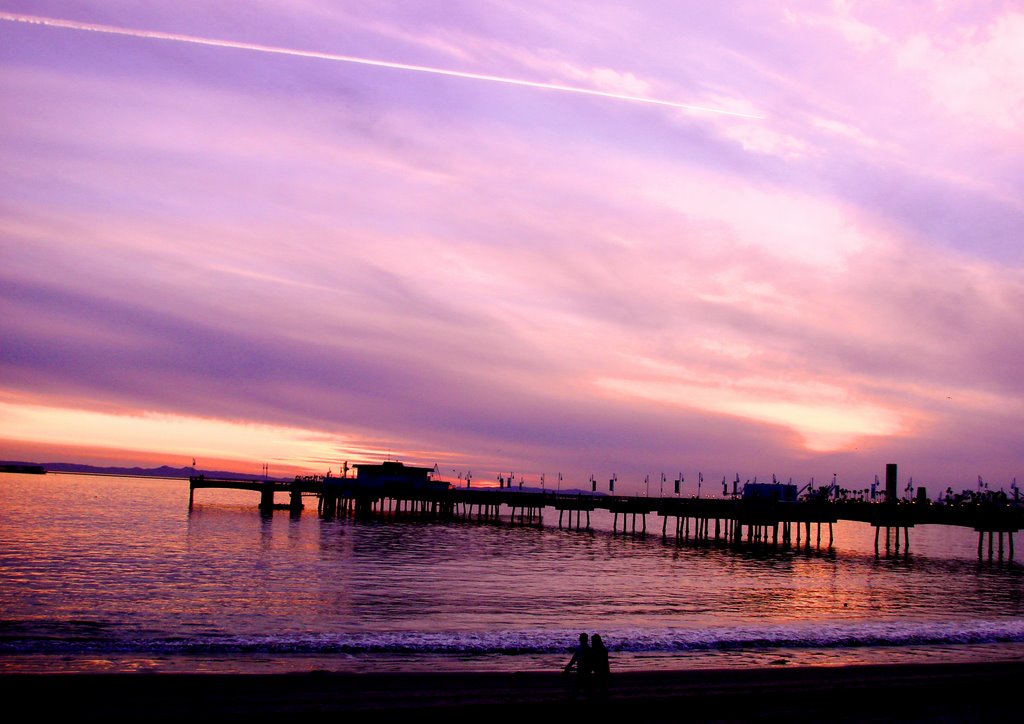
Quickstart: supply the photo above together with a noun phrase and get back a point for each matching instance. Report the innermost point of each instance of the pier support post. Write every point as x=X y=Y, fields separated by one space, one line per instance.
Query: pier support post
x=267 y=496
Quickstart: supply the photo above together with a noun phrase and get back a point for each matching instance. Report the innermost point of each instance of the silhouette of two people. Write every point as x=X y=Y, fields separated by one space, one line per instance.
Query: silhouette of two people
x=590 y=657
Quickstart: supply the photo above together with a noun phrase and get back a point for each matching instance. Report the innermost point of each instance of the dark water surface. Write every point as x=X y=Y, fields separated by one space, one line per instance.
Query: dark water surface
x=115 y=574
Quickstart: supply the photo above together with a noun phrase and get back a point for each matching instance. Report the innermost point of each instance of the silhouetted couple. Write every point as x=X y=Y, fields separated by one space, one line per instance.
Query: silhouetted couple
x=592 y=669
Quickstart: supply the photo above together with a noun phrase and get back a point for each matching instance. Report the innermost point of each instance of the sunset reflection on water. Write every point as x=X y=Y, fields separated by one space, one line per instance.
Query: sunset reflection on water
x=107 y=573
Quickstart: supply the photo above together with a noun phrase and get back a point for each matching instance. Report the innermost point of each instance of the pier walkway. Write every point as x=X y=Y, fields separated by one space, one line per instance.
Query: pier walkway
x=734 y=519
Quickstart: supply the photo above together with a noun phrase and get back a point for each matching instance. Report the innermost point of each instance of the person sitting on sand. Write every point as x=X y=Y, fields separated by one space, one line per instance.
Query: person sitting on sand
x=581 y=658
x=599 y=659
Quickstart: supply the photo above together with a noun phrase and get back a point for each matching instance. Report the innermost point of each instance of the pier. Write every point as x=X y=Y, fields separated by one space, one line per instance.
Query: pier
x=296 y=489
x=767 y=520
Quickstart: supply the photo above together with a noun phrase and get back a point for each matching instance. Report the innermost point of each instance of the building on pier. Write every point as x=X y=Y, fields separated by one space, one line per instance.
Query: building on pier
x=775 y=492
x=394 y=476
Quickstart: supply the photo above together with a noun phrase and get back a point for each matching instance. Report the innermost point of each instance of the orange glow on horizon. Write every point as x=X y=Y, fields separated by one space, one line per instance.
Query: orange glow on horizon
x=134 y=438
x=100 y=456
x=40 y=433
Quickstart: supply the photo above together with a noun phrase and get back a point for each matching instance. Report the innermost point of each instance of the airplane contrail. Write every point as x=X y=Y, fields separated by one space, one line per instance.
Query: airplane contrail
x=217 y=43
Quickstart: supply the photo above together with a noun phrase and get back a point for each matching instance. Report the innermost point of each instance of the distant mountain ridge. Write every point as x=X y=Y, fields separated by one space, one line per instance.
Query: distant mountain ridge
x=164 y=471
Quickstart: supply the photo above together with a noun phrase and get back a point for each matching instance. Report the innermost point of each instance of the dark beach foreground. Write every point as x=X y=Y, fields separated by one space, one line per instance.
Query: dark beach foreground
x=928 y=692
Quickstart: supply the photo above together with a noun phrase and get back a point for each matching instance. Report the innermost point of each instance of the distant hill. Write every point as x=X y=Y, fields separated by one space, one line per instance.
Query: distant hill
x=164 y=471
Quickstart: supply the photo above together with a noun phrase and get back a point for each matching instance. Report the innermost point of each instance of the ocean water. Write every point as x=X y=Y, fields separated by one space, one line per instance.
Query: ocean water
x=117 y=574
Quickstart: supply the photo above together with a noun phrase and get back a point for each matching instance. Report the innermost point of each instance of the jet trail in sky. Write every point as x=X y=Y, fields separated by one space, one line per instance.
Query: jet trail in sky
x=196 y=40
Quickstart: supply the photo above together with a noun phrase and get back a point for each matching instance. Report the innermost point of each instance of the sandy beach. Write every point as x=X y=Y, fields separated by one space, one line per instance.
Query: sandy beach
x=934 y=692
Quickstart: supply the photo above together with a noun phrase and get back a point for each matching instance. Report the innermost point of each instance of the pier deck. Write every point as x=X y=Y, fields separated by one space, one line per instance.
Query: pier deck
x=759 y=519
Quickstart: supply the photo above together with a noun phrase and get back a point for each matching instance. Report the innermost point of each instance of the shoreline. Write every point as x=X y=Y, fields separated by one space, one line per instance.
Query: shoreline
x=986 y=691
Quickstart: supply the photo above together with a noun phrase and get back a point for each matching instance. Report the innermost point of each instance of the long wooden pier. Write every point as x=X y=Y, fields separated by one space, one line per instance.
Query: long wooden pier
x=711 y=519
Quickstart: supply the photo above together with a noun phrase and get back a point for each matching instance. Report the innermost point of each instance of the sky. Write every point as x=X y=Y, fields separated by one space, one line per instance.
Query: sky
x=718 y=240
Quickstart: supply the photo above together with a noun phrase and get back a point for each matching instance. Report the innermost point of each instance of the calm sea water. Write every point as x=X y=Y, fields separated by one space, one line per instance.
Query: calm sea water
x=116 y=574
